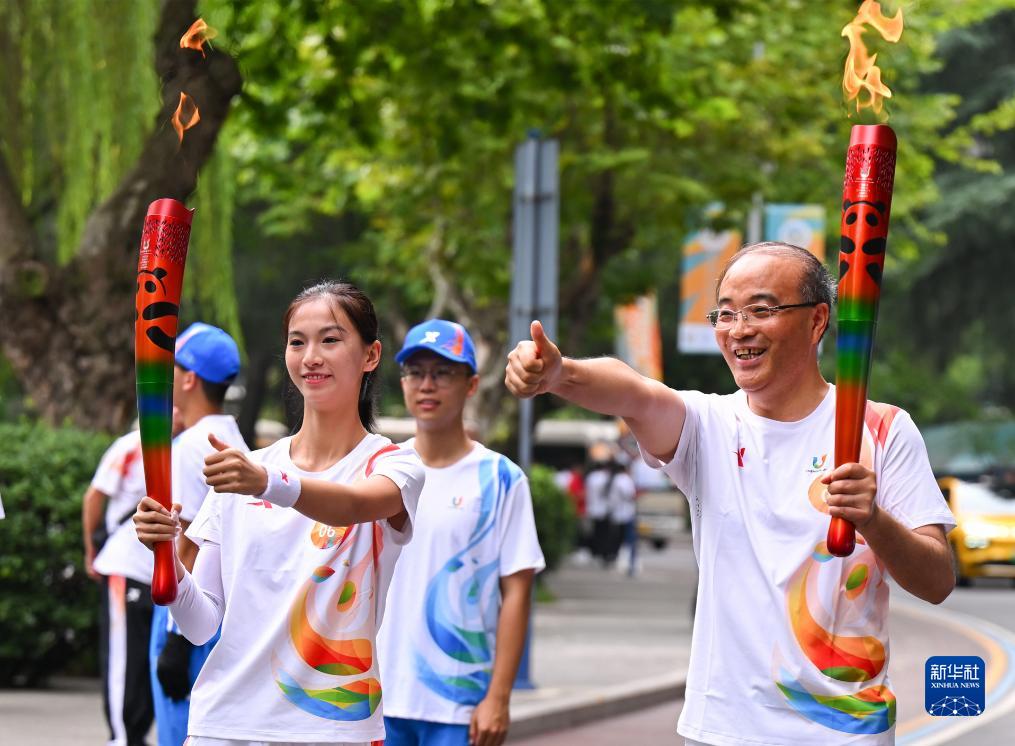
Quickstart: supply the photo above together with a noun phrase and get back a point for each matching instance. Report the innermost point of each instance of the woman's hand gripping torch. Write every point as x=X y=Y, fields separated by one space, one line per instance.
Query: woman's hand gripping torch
x=866 y=204
x=164 y=241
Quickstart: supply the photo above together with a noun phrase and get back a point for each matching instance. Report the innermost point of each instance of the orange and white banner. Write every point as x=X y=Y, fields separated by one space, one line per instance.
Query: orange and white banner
x=638 y=340
x=705 y=254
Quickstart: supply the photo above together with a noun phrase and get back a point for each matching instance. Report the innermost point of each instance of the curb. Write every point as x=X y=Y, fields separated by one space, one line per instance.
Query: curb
x=569 y=710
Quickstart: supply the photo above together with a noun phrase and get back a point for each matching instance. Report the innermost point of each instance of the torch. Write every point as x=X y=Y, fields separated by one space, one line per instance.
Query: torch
x=866 y=204
x=163 y=254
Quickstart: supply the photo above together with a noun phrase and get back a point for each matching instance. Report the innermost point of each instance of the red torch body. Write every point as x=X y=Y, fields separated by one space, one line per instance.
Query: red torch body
x=164 y=241
x=866 y=206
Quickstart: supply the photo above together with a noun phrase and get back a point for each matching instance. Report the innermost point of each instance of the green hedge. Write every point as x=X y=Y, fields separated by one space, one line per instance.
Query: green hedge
x=556 y=520
x=48 y=606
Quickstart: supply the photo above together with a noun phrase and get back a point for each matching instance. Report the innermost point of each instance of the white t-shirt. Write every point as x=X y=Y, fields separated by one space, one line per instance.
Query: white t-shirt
x=790 y=644
x=120 y=476
x=190 y=449
x=296 y=660
x=622 y=498
x=597 y=502
x=474 y=525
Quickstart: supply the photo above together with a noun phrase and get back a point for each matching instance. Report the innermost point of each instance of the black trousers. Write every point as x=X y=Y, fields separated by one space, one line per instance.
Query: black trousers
x=602 y=539
x=125 y=625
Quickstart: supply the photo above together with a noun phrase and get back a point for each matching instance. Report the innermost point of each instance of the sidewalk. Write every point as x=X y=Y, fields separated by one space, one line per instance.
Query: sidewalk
x=607 y=645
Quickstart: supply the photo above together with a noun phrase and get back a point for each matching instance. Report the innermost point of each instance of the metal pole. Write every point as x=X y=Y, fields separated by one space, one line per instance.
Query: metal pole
x=525 y=409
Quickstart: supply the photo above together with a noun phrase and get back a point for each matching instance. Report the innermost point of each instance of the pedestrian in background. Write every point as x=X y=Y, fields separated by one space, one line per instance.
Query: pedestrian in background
x=622 y=497
x=598 y=478
x=123 y=567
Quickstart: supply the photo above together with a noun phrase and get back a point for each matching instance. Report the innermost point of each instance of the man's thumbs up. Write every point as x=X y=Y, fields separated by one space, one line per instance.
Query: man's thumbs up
x=533 y=367
x=539 y=337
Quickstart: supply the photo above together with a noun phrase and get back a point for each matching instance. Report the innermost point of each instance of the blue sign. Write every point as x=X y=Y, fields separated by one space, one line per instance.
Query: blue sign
x=954 y=685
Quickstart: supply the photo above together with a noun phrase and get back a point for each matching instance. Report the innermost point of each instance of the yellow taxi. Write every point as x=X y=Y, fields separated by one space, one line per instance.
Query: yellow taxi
x=983 y=541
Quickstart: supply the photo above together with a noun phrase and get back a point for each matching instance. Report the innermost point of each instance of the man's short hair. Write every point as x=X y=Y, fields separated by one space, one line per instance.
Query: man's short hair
x=215 y=393
x=816 y=283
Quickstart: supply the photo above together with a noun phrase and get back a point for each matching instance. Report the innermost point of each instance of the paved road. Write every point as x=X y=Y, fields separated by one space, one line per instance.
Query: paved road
x=992 y=601
x=653 y=725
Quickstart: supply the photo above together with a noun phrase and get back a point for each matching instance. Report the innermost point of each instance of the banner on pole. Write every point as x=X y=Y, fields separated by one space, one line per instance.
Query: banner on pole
x=705 y=254
x=800 y=225
x=638 y=340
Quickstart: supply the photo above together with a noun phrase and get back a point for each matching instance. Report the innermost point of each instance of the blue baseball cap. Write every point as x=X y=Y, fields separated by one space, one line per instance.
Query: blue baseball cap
x=445 y=338
x=208 y=351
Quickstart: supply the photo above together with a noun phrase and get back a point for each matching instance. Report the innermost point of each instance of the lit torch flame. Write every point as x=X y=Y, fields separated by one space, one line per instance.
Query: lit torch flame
x=861 y=74
x=196 y=36
x=186 y=116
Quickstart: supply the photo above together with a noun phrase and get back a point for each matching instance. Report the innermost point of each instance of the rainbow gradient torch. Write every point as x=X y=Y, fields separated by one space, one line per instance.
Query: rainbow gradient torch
x=866 y=204
x=164 y=241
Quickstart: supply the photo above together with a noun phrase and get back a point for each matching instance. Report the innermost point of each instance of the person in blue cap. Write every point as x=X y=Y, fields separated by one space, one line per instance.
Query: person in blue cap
x=207 y=362
x=458 y=605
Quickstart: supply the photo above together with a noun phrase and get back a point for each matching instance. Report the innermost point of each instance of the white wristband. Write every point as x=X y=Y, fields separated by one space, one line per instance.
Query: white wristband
x=283 y=488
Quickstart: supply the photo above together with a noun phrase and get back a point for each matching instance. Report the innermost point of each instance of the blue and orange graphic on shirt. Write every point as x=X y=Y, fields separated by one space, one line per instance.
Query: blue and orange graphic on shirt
x=462 y=600
x=835 y=610
x=339 y=596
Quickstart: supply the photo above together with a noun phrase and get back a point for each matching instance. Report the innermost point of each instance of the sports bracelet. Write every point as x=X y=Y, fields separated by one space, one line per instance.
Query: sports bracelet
x=283 y=488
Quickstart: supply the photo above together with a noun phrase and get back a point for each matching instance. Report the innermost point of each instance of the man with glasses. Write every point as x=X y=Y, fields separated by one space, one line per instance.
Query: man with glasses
x=790 y=644
x=458 y=605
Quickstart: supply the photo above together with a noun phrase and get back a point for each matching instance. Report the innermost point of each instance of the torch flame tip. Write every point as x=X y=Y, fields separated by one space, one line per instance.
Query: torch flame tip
x=186 y=115
x=197 y=36
x=861 y=71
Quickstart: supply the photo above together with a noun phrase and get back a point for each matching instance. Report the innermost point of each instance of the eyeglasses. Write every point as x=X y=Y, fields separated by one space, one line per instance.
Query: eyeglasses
x=726 y=318
x=441 y=375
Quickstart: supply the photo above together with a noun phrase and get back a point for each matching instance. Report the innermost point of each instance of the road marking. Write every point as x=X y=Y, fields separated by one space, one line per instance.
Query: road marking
x=1000 y=678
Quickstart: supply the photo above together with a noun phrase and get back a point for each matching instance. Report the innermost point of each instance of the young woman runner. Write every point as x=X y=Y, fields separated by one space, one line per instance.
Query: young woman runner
x=298 y=544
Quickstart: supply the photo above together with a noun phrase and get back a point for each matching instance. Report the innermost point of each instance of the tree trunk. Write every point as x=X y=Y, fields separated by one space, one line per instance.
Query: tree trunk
x=257 y=391
x=68 y=331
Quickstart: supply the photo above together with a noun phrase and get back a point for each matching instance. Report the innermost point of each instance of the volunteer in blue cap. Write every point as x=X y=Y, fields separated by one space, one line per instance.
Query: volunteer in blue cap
x=458 y=604
x=207 y=362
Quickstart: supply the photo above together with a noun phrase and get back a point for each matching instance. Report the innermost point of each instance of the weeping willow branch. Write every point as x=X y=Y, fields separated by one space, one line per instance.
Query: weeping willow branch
x=71 y=318
x=167 y=168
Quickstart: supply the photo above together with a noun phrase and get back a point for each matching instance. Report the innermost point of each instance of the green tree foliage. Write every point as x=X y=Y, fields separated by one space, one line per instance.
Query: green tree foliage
x=85 y=95
x=401 y=116
x=74 y=122
x=86 y=146
x=958 y=307
x=407 y=113
x=48 y=606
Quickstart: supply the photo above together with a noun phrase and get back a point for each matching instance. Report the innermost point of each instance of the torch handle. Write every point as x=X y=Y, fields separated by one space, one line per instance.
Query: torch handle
x=155 y=417
x=164 y=584
x=852 y=372
x=866 y=207
x=161 y=260
x=841 y=539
